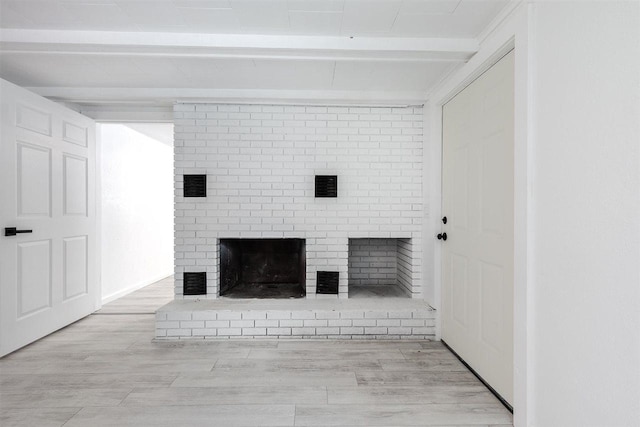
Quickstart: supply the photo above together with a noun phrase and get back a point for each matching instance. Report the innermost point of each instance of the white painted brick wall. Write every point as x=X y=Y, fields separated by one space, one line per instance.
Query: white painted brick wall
x=345 y=324
x=407 y=264
x=260 y=163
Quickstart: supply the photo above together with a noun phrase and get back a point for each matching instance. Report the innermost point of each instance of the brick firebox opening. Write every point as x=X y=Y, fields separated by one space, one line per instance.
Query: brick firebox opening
x=262 y=268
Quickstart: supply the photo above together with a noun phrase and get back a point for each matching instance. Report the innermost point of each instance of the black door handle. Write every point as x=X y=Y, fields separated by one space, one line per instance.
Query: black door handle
x=442 y=236
x=11 y=231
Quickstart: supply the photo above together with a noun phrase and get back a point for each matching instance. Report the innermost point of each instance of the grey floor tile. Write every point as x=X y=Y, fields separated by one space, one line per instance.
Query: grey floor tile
x=188 y=396
x=401 y=415
x=41 y=417
x=192 y=416
x=385 y=395
x=284 y=378
x=62 y=397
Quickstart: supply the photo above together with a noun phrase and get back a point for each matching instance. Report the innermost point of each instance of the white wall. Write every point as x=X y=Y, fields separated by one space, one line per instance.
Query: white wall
x=137 y=210
x=586 y=214
x=511 y=29
x=577 y=207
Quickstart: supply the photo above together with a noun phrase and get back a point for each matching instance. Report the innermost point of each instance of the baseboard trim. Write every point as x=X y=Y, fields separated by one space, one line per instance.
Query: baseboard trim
x=122 y=292
x=486 y=384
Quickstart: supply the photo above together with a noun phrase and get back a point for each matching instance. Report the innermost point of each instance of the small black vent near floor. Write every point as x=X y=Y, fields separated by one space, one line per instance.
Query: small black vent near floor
x=195 y=186
x=326 y=186
x=194 y=284
x=327 y=282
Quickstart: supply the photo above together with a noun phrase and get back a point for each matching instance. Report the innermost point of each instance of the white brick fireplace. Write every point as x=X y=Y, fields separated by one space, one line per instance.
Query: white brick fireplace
x=260 y=163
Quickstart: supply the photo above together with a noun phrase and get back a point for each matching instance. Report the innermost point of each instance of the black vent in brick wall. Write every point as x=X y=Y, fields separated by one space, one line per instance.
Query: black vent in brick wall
x=195 y=186
x=195 y=284
x=327 y=282
x=326 y=186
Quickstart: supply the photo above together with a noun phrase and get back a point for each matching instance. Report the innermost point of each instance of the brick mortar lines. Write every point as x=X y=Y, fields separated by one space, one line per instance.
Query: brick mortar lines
x=279 y=324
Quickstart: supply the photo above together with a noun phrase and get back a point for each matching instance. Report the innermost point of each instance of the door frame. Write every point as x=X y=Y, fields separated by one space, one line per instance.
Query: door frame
x=510 y=30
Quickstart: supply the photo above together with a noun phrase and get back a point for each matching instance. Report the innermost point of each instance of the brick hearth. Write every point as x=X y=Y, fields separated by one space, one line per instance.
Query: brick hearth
x=390 y=318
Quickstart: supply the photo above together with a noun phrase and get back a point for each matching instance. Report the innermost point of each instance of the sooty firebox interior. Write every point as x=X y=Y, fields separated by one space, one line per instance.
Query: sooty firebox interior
x=262 y=268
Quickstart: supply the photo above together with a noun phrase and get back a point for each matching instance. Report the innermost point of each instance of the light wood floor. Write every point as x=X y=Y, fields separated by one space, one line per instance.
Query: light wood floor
x=105 y=371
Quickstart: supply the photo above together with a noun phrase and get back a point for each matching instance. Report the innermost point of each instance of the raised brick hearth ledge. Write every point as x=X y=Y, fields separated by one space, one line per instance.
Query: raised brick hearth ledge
x=384 y=318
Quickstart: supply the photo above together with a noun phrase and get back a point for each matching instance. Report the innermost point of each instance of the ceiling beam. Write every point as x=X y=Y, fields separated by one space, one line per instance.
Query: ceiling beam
x=237 y=45
x=159 y=97
x=126 y=113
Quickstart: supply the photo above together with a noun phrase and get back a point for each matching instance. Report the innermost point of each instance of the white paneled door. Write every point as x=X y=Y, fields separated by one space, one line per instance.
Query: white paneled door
x=48 y=275
x=477 y=256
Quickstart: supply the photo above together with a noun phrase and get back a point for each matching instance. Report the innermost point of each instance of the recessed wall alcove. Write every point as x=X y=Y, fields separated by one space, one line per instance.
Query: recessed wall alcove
x=379 y=267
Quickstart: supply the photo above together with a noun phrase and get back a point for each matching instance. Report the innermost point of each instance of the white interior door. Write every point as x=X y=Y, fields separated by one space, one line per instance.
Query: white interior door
x=477 y=257
x=48 y=275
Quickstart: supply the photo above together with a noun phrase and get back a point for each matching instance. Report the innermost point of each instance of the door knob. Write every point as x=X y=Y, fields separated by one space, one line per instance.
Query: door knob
x=444 y=219
x=12 y=231
x=442 y=236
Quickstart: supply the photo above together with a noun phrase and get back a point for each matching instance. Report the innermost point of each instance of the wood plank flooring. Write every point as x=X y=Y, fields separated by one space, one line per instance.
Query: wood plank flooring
x=105 y=371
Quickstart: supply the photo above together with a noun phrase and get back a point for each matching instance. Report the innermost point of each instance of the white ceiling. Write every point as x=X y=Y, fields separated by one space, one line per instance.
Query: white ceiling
x=154 y=52
x=378 y=18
